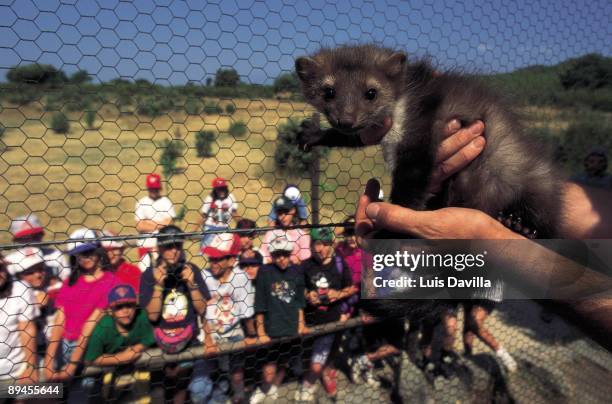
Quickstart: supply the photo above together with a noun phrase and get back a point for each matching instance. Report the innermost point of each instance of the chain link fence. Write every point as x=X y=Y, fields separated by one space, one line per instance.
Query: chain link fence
x=125 y=117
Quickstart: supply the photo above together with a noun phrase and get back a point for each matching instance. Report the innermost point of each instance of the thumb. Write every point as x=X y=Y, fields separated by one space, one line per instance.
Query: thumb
x=397 y=218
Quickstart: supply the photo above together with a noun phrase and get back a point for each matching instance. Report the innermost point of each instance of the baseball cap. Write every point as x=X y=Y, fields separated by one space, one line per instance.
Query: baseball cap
x=282 y=203
x=323 y=234
x=23 y=226
x=79 y=247
x=121 y=294
x=280 y=242
x=255 y=259
x=293 y=193
x=219 y=183
x=153 y=181
x=111 y=244
x=24 y=259
x=222 y=245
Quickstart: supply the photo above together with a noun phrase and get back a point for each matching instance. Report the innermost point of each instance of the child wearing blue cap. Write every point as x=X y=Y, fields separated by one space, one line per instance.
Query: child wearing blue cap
x=121 y=336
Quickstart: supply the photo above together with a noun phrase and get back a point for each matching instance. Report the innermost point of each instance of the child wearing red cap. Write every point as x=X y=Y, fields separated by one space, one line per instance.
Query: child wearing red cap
x=229 y=314
x=218 y=209
x=153 y=212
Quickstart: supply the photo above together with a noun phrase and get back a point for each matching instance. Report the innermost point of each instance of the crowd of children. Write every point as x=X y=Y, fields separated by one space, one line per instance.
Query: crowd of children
x=91 y=306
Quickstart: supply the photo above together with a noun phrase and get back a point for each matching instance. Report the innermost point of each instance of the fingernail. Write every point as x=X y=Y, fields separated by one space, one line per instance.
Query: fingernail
x=478 y=127
x=453 y=125
x=478 y=143
x=372 y=210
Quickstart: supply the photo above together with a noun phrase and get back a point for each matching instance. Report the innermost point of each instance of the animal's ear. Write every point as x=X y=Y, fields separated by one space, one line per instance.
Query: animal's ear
x=306 y=68
x=394 y=64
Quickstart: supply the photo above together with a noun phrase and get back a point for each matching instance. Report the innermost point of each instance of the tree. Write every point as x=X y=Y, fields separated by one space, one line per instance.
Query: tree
x=36 y=74
x=589 y=71
x=287 y=82
x=209 y=81
x=80 y=77
x=227 y=78
x=294 y=162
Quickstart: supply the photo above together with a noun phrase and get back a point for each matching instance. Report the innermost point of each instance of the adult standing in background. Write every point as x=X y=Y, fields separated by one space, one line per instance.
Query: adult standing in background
x=153 y=212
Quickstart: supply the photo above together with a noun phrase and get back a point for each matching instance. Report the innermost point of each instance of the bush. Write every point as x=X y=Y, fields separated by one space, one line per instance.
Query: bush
x=60 y=123
x=211 y=108
x=172 y=150
x=582 y=135
x=227 y=78
x=193 y=107
x=90 y=118
x=589 y=71
x=230 y=109
x=287 y=82
x=237 y=129
x=36 y=74
x=149 y=108
x=22 y=95
x=204 y=141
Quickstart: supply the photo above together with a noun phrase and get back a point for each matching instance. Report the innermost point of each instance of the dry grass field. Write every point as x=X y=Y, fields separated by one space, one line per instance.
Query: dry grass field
x=93 y=177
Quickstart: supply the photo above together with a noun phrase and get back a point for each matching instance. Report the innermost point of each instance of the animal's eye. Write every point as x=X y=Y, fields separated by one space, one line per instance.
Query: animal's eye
x=371 y=94
x=329 y=93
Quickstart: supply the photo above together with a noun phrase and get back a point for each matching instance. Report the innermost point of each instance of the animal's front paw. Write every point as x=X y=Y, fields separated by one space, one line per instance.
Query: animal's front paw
x=310 y=133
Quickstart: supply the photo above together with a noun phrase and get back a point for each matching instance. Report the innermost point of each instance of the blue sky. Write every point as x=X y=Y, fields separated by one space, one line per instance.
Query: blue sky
x=172 y=42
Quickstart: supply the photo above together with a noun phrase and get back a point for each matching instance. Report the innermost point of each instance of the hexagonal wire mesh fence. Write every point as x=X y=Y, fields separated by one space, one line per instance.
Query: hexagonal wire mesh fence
x=126 y=117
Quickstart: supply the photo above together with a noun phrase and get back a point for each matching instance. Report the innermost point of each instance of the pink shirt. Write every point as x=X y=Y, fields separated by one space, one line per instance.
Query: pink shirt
x=81 y=299
x=299 y=238
x=353 y=258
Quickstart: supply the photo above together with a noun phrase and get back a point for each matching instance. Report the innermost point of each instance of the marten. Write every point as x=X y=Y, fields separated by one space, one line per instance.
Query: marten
x=357 y=87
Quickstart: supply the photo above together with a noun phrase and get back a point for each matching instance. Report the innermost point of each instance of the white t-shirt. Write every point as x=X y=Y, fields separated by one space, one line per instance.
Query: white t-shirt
x=20 y=306
x=158 y=210
x=218 y=212
x=231 y=302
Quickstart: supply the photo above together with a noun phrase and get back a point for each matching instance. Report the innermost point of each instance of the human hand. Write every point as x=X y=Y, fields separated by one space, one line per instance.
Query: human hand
x=333 y=295
x=188 y=276
x=263 y=339
x=160 y=273
x=446 y=223
x=313 y=298
x=211 y=348
x=250 y=341
x=458 y=148
x=303 y=330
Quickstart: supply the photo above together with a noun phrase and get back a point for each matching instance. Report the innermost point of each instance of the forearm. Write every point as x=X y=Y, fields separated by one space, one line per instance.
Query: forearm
x=199 y=303
x=117 y=358
x=88 y=327
x=28 y=341
x=153 y=308
x=55 y=339
x=261 y=330
x=301 y=321
x=248 y=324
x=586 y=212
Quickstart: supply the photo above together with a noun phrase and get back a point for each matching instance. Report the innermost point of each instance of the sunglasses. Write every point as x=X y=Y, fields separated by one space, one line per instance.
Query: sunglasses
x=280 y=254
